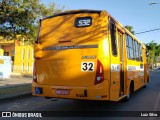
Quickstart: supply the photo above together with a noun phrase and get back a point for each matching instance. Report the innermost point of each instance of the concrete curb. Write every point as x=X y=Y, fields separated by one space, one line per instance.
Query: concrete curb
x=7 y=92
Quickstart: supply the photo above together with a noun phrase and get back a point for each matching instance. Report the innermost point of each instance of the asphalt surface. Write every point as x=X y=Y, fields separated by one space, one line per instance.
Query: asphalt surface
x=15 y=86
x=143 y=100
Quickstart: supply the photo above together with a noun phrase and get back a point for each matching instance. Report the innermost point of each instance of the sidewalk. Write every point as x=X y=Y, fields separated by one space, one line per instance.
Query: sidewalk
x=17 y=85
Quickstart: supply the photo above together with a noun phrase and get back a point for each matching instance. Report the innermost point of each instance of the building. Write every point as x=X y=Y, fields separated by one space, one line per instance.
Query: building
x=6 y=48
x=21 y=54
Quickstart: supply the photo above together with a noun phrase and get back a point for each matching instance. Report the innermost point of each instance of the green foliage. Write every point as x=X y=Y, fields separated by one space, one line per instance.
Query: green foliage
x=154 y=51
x=130 y=28
x=20 y=17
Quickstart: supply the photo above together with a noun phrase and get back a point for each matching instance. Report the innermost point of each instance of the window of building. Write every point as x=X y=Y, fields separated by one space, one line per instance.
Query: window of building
x=23 y=54
x=6 y=53
x=13 y=52
x=32 y=54
x=113 y=38
x=22 y=67
x=27 y=67
x=28 y=54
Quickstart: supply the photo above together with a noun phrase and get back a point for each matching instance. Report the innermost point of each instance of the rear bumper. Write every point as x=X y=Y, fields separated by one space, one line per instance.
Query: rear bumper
x=97 y=92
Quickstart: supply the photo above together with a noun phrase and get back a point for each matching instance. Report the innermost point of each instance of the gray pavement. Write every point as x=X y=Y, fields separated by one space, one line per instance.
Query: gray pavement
x=15 y=86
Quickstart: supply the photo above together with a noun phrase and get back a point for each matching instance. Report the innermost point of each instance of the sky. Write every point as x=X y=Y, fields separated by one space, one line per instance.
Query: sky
x=137 y=13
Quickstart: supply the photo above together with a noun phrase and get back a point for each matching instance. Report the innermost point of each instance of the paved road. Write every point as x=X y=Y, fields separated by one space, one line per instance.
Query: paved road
x=145 y=99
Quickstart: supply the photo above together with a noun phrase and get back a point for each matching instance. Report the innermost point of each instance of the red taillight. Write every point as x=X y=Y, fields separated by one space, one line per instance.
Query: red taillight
x=34 y=73
x=99 y=73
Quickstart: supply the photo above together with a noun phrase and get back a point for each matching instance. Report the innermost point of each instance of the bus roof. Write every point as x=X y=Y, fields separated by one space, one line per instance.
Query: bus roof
x=98 y=12
x=126 y=31
x=74 y=12
x=134 y=37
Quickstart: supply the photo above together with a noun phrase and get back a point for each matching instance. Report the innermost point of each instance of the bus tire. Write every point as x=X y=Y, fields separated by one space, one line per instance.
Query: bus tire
x=144 y=86
x=48 y=97
x=131 y=91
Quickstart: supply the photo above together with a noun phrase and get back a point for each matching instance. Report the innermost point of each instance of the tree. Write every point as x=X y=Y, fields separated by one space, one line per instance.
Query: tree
x=154 y=51
x=130 y=28
x=19 y=17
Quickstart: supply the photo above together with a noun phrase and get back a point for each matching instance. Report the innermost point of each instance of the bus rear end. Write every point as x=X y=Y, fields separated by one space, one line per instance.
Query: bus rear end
x=67 y=63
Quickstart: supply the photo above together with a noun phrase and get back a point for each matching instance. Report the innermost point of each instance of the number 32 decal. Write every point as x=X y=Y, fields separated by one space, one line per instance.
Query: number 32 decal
x=87 y=66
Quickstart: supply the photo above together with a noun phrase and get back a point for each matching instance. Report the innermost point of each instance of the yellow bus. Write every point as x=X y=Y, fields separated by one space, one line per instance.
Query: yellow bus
x=87 y=54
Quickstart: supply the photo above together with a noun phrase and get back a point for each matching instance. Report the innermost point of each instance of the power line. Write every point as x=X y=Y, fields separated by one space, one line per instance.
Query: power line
x=148 y=31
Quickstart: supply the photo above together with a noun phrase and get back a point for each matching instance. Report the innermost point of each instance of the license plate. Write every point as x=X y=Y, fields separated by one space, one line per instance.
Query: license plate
x=62 y=92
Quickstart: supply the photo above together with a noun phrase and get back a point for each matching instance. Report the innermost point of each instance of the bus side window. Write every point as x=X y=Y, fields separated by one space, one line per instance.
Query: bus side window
x=138 y=58
x=136 y=49
x=141 y=54
x=130 y=47
x=113 y=38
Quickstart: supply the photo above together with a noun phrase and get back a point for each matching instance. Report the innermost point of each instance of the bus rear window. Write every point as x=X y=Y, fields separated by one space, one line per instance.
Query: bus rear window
x=83 y=22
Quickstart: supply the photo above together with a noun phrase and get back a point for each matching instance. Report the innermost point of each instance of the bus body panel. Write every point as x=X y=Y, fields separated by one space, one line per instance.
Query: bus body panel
x=58 y=68
x=65 y=48
x=63 y=52
x=61 y=30
x=96 y=92
x=66 y=70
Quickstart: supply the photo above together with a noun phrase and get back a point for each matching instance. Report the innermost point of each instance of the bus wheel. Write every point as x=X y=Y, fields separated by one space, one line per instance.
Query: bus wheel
x=131 y=90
